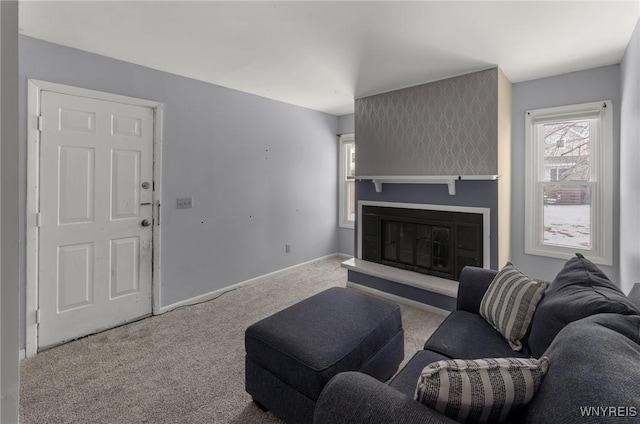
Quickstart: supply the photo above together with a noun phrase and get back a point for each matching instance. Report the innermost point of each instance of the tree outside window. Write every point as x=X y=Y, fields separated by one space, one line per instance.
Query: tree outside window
x=567 y=206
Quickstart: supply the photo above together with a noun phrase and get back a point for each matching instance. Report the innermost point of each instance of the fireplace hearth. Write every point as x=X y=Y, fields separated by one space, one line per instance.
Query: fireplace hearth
x=433 y=242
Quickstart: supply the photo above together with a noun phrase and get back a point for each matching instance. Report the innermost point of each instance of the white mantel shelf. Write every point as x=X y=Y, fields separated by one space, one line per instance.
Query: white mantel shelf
x=449 y=180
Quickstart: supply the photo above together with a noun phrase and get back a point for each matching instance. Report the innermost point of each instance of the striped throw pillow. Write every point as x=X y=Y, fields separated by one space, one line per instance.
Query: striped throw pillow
x=482 y=390
x=509 y=303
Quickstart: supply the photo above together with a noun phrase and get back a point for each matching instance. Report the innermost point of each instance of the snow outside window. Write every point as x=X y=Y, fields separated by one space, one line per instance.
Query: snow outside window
x=347 y=190
x=569 y=181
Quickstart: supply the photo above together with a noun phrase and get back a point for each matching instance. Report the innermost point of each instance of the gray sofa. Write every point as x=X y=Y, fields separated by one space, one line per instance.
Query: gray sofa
x=585 y=325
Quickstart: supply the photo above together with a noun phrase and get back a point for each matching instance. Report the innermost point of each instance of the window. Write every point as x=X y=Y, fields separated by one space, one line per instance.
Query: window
x=568 y=198
x=347 y=185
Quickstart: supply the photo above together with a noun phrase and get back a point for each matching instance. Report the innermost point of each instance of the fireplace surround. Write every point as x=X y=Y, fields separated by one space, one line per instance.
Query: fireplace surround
x=435 y=240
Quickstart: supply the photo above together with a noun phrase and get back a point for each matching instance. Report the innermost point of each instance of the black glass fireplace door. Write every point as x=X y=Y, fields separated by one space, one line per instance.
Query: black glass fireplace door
x=418 y=247
x=439 y=243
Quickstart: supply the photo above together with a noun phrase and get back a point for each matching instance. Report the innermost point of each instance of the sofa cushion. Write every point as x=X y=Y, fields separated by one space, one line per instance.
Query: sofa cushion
x=510 y=302
x=580 y=290
x=465 y=335
x=472 y=286
x=594 y=364
x=405 y=380
x=492 y=390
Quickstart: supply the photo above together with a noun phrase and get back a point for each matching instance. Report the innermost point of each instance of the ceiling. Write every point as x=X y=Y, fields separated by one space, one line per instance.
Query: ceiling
x=322 y=55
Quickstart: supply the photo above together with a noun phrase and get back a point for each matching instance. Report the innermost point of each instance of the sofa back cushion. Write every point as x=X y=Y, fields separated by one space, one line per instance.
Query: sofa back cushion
x=593 y=373
x=579 y=290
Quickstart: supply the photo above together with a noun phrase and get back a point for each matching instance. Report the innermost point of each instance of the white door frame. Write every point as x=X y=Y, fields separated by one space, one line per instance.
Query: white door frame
x=35 y=89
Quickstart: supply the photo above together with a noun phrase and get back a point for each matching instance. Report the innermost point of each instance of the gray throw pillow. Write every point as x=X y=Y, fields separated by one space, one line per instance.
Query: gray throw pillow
x=510 y=302
x=491 y=390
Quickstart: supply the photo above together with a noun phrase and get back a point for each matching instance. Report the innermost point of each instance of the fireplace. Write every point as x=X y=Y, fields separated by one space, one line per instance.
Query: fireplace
x=434 y=242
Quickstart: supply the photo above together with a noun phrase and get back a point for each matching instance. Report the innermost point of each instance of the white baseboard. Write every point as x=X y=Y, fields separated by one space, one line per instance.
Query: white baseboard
x=344 y=256
x=397 y=299
x=216 y=293
x=22 y=353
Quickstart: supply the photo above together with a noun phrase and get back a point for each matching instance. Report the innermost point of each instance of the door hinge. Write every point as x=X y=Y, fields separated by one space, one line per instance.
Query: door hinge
x=37 y=316
x=38 y=219
x=39 y=122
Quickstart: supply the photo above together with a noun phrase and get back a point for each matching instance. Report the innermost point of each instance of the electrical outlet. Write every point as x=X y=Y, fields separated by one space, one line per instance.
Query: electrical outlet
x=184 y=203
x=287 y=248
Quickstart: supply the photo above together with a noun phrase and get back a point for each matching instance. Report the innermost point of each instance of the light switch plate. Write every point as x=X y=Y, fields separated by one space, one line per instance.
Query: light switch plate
x=184 y=203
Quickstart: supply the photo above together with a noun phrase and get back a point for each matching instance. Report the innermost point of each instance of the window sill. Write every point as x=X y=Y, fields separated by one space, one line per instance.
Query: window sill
x=568 y=253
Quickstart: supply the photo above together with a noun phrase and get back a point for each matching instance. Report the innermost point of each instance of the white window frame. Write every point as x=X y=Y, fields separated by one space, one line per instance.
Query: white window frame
x=343 y=203
x=601 y=180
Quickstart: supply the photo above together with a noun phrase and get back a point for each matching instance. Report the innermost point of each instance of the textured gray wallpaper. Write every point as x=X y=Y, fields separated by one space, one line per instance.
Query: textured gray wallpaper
x=447 y=127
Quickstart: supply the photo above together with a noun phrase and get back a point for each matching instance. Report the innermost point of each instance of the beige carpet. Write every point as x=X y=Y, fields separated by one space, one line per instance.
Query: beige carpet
x=185 y=366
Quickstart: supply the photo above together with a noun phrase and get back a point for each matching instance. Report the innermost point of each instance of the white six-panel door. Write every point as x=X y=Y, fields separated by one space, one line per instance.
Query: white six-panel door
x=96 y=238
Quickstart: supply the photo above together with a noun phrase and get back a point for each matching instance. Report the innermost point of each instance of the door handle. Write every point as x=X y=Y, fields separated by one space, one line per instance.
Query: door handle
x=145 y=222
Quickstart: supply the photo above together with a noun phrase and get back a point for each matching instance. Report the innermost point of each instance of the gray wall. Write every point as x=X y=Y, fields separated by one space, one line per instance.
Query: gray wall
x=346 y=125
x=9 y=214
x=262 y=173
x=573 y=88
x=629 y=160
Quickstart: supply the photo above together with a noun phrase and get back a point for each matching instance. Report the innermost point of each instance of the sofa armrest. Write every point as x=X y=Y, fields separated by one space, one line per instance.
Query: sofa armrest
x=472 y=286
x=354 y=398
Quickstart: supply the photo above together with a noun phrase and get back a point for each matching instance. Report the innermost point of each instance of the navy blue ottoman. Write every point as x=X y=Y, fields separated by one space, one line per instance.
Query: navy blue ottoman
x=292 y=354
